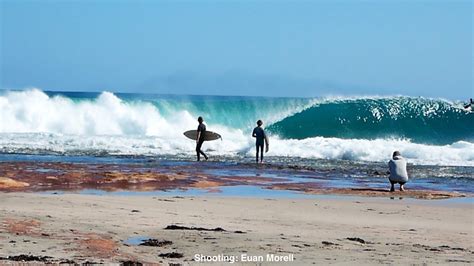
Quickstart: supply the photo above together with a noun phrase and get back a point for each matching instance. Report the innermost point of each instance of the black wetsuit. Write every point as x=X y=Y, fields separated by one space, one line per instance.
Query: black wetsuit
x=201 y=128
x=469 y=104
x=259 y=134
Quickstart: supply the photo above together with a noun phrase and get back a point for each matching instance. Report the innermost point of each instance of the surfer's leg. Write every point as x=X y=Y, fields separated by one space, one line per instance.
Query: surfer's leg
x=198 y=150
x=261 y=153
x=256 y=148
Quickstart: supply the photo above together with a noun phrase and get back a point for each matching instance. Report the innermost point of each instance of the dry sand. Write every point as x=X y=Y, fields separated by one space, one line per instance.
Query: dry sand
x=325 y=230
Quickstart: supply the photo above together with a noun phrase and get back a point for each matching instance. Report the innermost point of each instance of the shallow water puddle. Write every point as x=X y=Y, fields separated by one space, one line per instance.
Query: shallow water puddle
x=136 y=240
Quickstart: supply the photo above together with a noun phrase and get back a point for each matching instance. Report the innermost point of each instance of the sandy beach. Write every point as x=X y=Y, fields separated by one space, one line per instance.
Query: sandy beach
x=325 y=230
x=181 y=213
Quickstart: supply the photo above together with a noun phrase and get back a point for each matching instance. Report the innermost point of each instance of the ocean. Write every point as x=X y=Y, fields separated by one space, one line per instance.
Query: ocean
x=332 y=133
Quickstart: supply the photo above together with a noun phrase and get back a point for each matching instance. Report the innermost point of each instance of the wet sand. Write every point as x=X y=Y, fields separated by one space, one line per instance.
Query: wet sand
x=342 y=230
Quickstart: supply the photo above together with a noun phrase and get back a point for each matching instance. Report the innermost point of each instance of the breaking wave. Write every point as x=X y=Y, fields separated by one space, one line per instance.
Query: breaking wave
x=426 y=131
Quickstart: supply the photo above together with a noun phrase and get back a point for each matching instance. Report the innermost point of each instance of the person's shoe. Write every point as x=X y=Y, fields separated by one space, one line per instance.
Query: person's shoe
x=205 y=157
x=392 y=189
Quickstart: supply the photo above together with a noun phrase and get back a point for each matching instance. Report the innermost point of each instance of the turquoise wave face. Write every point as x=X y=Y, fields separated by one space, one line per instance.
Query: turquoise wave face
x=418 y=119
x=240 y=113
x=428 y=121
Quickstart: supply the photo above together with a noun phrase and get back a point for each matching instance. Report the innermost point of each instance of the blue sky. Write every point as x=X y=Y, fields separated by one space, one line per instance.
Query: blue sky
x=270 y=48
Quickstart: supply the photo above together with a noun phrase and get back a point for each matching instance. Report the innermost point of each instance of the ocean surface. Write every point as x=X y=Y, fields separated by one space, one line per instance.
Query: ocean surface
x=435 y=135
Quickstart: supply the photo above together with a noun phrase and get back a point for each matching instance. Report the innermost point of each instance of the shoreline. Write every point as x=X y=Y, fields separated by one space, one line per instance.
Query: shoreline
x=189 y=178
x=369 y=230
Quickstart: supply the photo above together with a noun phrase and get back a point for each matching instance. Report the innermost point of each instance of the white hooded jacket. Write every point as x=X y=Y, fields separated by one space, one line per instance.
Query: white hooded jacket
x=398 y=169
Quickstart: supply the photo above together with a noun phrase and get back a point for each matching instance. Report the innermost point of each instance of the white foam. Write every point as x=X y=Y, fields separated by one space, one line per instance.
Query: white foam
x=34 y=111
x=239 y=143
x=460 y=153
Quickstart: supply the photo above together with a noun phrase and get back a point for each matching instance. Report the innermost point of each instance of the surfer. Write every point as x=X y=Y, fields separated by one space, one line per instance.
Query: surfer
x=201 y=132
x=469 y=105
x=398 y=171
x=260 y=138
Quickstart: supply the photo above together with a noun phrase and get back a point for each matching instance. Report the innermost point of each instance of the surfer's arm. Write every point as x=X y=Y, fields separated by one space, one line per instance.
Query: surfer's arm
x=254 y=134
x=198 y=135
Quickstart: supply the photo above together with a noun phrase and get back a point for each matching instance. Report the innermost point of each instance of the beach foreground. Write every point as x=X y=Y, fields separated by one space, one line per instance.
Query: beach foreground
x=340 y=230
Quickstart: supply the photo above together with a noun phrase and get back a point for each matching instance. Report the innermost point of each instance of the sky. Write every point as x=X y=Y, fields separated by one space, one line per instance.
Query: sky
x=256 y=48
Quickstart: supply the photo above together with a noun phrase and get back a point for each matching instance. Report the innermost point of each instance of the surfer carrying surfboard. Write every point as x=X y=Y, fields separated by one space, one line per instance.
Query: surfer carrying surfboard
x=260 y=138
x=201 y=133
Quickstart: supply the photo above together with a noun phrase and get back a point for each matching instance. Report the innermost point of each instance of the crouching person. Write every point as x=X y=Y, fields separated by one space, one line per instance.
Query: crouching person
x=398 y=171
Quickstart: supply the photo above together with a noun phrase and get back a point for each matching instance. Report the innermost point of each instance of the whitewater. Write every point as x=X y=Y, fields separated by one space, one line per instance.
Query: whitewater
x=425 y=131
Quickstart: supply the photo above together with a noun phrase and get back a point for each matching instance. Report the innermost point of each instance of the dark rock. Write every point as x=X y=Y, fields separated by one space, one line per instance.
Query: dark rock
x=178 y=227
x=65 y=261
x=356 y=239
x=327 y=243
x=155 y=243
x=131 y=263
x=172 y=255
x=23 y=257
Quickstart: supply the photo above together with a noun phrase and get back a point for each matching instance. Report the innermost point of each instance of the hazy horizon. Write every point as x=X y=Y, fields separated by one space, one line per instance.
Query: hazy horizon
x=275 y=48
